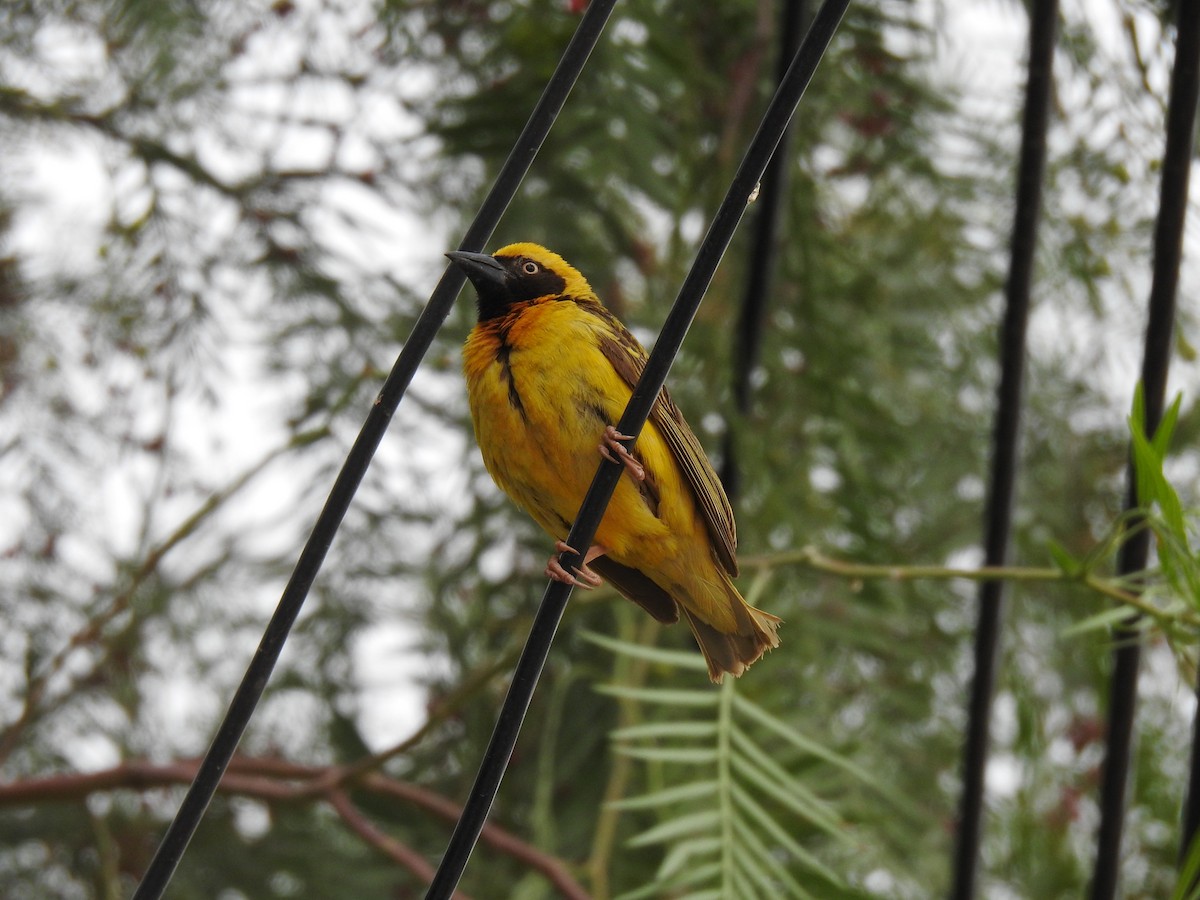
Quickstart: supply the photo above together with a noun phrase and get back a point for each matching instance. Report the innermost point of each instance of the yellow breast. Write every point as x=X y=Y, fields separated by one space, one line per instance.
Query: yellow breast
x=541 y=393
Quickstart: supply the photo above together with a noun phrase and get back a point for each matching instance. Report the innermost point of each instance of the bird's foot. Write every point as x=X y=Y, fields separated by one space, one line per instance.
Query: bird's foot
x=611 y=444
x=590 y=579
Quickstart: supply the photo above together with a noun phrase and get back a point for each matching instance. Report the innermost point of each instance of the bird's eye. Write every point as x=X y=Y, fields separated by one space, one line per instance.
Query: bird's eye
x=530 y=267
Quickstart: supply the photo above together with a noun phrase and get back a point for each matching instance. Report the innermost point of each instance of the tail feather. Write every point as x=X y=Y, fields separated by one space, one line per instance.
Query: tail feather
x=734 y=652
x=743 y=634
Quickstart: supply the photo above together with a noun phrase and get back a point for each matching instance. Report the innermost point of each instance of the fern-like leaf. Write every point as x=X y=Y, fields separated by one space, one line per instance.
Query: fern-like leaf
x=733 y=822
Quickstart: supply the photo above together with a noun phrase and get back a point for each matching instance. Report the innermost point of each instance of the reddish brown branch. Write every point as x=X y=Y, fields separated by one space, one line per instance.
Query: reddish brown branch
x=393 y=849
x=135 y=775
x=492 y=835
x=277 y=780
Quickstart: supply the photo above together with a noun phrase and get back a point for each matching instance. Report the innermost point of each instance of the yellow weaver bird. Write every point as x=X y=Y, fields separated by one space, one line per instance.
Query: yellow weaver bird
x=549 y=370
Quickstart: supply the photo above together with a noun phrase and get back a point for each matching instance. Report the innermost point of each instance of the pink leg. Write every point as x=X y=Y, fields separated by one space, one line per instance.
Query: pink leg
x=610 y=443
x=590 y=580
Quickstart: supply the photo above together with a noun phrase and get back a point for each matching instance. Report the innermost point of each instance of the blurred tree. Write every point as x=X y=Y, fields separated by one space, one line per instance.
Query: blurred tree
x=219 y=220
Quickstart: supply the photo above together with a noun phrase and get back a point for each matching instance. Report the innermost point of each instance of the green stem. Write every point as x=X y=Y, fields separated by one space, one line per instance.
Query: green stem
x=812 y=558
x=724 y=784
x=542 y=813
x=631 y=672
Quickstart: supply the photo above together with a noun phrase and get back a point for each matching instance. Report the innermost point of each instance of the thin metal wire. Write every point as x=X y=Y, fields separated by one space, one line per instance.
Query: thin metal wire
x=1043 y=24
x=1181 y=125
x=775 y=182
x=554 y=599
x=244 y=702
x=1168 y=252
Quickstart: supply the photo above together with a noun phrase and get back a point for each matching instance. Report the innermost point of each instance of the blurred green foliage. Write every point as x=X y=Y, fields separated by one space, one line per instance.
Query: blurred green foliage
x=254 y=159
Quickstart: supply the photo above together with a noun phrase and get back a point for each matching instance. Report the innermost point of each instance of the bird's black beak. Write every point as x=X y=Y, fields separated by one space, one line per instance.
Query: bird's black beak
x=485 y=273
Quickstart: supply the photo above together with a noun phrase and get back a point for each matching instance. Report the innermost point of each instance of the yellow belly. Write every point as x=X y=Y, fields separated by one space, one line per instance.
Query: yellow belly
x=540 y=398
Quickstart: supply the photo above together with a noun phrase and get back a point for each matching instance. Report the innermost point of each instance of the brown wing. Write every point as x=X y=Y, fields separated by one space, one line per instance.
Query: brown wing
x=628 y=357
x=635 y=586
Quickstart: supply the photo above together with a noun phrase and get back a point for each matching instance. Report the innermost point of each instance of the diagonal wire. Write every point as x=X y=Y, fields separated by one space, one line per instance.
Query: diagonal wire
x=1043 y=24
x=1185 y=88
x=748 y=338
x=1168 y=252
x=554 y=599
x=242 y=707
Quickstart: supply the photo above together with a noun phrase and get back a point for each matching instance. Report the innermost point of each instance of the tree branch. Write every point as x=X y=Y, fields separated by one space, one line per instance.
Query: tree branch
x=89 y=633
x=497 y=838
x=812 y=558
x=278 y=780
x=393 y=849
x=449 y=705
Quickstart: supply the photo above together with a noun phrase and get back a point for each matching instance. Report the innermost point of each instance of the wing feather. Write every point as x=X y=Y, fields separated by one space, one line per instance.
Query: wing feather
x=628 y=358
x=635 y=586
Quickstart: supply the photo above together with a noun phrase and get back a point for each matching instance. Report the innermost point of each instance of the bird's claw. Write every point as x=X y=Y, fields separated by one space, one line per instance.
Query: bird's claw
x=580 y=576
x=610 y=444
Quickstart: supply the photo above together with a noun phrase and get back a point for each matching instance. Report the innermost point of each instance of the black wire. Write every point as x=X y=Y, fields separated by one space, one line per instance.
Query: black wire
x=1168 y=252
x=1043 y=24
x=242 y=707
x=554 y=599
x=775 y=181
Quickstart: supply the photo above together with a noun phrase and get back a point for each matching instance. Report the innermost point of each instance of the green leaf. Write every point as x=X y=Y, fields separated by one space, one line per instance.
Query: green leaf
x=785 y=798
x=743 y=887
x=755 y=765
x=698 y=875
x=799 y=741
x=1068 y=564
x=764 y=861
x=667 y=796
x=1187 y=886
x=754 y=810
x=682 y=755
x=653 y=889
x=661 y=696
x=657 y=730
x=1148 y=457
x=672 y=870
x=1101 y=620
x=1166 y=428
x=673 y=828
x=678 y=659
x=1137 y=415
